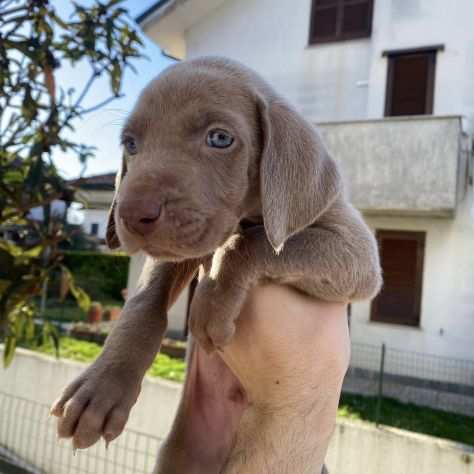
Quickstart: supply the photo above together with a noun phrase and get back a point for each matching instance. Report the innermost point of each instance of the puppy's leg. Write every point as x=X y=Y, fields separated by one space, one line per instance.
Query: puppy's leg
x=99 y=401
x=331 y=263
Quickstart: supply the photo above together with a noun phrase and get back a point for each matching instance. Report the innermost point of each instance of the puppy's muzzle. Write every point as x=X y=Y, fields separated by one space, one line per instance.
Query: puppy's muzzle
x=139 y=217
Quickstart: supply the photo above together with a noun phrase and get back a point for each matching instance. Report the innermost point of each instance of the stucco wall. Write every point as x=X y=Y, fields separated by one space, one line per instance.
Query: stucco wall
x=356 y=448
x=98 y=216
x=447 y=306
x=346 y=80
x=176 y=314
x=401 y=165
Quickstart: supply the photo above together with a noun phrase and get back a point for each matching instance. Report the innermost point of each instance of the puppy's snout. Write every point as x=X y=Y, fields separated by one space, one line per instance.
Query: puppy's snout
x=139 y=217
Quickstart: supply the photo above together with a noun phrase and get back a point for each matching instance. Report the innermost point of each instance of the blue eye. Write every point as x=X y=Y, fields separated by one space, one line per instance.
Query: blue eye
x=219 y=138
x=130 y=145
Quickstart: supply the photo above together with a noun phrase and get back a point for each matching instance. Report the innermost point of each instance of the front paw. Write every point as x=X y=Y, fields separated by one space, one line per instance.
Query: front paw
x=214 y=312
x=97 y=404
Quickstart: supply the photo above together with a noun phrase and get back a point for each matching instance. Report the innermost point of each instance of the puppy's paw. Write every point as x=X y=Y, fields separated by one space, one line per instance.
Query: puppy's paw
x=97 y=404
x=214 y=312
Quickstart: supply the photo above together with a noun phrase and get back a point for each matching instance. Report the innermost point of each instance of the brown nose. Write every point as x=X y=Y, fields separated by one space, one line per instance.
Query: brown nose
x=139 y=217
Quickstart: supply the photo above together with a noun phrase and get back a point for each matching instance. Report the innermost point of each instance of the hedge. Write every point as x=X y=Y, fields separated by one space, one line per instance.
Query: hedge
x=101 y=275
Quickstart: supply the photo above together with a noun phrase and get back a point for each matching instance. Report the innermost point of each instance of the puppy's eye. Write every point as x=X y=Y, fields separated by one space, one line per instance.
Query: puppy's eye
x=130 y=145
x=219 y=138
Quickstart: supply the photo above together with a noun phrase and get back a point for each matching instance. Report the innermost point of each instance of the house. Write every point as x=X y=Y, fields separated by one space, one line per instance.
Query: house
x=96 y=193
x=390 y=82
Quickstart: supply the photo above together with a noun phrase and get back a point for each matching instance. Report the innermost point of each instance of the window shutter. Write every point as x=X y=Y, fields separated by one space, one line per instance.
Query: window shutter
x=410 y=84
x=357 y=18
x=339 y=20
x=324 y=24
x=402 y=255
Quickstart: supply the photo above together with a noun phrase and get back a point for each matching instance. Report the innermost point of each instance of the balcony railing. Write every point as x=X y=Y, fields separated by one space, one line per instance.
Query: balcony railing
x=401 y=166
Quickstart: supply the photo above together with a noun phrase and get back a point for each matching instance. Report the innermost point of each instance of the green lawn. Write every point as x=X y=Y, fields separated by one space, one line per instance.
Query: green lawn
x=409 y=417
x=393 y=413
x=83 y=351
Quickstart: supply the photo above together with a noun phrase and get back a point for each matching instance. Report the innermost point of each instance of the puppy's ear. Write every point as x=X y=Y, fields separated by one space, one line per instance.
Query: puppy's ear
x=298 y=179
x=111 y=237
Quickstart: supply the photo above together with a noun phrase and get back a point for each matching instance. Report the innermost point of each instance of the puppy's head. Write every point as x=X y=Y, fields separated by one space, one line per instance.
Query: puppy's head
x=208 y=144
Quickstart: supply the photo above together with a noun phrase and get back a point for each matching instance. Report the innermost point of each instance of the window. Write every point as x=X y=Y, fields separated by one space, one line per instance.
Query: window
x=94 y=228
x=402 y=255
x=339 y=20
x=410 y=83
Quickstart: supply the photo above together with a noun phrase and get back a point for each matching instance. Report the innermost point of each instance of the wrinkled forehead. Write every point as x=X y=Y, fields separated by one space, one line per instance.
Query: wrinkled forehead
x=191 y=99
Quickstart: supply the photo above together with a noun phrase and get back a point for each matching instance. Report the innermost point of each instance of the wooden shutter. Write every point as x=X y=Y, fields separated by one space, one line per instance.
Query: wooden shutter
x=339 y=20
x=410 y=84
x=356 y=19
x=402 y=256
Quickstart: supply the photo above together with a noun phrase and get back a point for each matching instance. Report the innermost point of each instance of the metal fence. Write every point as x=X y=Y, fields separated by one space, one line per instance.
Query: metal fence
x=28 y=441
x=431 y=380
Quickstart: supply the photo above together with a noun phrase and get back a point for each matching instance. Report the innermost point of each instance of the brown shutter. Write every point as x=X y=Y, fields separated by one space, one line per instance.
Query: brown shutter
x=410 y=84
x=402 y=255
x=339 y=20
x=324 y=20
x=356 y=18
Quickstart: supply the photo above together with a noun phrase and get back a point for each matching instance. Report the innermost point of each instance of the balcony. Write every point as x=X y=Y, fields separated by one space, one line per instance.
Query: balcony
x=401 y=166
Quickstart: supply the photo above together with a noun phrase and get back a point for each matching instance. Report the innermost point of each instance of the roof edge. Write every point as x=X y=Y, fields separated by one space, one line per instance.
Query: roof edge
x=140 y=19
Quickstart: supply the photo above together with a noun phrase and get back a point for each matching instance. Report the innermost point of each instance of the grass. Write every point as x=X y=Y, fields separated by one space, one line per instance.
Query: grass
x=83 y=351
x=355 y=407
x=409 y=417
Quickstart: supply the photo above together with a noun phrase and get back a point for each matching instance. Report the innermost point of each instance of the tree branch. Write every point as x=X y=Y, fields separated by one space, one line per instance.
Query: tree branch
x=102 y=104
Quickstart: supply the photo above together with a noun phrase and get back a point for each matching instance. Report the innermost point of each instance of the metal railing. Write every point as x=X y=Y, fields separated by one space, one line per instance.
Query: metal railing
x=424 y=379
x=28 y=441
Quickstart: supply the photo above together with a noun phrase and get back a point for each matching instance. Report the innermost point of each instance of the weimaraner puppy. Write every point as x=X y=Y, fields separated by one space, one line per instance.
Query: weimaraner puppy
x=219 y=173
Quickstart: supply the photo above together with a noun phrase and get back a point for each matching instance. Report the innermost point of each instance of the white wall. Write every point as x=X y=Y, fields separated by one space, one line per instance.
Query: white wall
x=98 y=216
x=407 y=24
x=356 y=448
x=326 y=81
x=447 y=306
x=176 y=314
x=271 y=36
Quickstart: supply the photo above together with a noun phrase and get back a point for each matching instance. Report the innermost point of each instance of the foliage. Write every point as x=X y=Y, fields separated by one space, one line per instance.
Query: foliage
x=103 y=276
x=37 y=117
x=409 y=417
x=82 y=351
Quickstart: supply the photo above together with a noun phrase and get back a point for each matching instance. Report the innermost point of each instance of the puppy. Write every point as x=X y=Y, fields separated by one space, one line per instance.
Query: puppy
x=219 y=173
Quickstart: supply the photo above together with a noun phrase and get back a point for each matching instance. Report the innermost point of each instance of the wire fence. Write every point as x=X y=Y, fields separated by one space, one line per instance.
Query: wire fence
x=439 y=382
x=28 y=442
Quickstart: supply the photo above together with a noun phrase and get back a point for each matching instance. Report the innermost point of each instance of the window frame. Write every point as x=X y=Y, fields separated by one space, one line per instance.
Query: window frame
x=430 y=80
x=420 y=238
x=95 y=226
x=339 y=35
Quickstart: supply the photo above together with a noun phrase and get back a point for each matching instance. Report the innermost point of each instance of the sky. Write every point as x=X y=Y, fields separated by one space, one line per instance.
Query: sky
x=102 y=128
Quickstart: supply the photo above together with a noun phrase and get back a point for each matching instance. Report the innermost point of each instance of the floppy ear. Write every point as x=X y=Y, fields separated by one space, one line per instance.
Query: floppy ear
x=111 y=237
x=298 y=178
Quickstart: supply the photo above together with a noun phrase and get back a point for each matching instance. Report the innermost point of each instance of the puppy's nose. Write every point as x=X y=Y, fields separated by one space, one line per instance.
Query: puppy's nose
x=140 y=218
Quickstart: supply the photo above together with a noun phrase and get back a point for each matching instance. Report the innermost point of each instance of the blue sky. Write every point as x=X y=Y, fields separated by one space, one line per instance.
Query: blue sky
x=102 y=128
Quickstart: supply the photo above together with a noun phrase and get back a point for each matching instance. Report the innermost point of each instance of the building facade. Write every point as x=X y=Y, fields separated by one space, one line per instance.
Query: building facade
x=391 y=85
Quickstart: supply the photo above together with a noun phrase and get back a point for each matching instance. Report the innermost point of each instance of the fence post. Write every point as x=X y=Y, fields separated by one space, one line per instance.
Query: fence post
x=380 y=390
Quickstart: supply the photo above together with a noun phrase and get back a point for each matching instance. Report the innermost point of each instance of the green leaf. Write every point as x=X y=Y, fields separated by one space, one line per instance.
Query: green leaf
x=50 y=332
x=9 y=350
x=116 y=77
x=30 y=329
x=81 y=296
